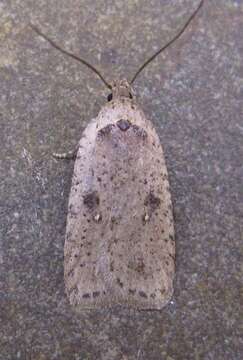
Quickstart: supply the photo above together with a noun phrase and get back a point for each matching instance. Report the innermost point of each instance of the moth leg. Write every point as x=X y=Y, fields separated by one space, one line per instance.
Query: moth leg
x=67 y=155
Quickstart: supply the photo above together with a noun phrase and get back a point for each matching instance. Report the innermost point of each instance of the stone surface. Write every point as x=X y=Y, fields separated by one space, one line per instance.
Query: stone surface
x=193 y=93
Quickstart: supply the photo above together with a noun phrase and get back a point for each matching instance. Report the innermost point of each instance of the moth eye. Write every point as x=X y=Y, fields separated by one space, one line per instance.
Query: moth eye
x=130 y=95
x=109 y=97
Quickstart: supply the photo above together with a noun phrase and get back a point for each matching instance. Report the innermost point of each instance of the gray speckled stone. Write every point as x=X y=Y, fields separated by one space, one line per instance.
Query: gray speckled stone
x=193 y=93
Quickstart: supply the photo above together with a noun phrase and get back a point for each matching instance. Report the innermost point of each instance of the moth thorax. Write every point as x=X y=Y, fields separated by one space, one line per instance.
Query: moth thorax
x=121 y=89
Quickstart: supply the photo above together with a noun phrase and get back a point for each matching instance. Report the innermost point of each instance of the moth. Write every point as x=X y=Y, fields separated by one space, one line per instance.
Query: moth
x=119 y=245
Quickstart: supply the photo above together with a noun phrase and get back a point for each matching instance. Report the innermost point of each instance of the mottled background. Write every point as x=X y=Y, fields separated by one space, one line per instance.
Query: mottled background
x=193 y=93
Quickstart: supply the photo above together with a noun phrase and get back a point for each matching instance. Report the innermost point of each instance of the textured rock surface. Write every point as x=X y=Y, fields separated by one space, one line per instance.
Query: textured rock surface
x=193 y=93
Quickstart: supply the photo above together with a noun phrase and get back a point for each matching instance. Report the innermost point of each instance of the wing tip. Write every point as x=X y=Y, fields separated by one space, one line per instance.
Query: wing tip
x=88 y=303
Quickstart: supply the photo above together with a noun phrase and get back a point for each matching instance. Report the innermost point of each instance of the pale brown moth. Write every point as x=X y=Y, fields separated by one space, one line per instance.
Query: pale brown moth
x=119 y=246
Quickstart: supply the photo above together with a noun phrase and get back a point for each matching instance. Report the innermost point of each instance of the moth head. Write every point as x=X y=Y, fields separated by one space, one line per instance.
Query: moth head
x=120 y=89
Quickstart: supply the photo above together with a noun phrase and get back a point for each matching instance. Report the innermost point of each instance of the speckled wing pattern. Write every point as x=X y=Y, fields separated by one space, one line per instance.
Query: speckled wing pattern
x=119 y=247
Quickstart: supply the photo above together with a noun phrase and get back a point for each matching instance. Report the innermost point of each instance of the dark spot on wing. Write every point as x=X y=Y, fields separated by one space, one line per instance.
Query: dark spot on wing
x=105 y=131
x=96 y=294
x=152 y=201
x=86 y=296
x=171 y=237
x=140 y=132
x=112 y=266
x=132 y=291
x=91 y=200
x=109 y=97
x=123 y=125
x=119 y=282
x=142 y=294
x=70 y=273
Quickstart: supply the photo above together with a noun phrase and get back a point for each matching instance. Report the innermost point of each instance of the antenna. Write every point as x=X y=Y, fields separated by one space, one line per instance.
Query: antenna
x=70 y=54
x=169 y=43
x=83 y=61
